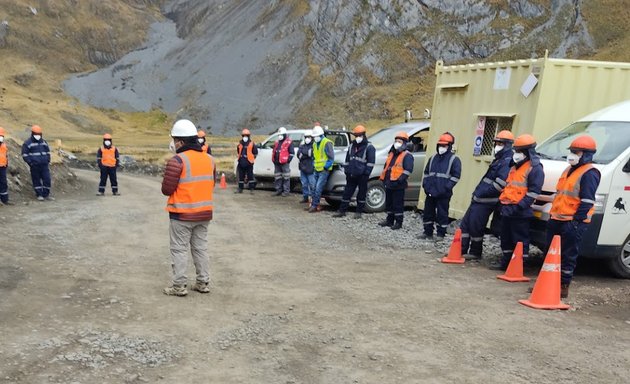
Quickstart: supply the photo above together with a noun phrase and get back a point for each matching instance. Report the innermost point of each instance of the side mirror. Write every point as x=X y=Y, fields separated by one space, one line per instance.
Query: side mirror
x=410 y=146
x=626 y=168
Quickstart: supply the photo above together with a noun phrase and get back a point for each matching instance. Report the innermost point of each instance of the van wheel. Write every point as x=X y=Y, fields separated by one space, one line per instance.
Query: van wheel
x=375 y=199
x=620 y=265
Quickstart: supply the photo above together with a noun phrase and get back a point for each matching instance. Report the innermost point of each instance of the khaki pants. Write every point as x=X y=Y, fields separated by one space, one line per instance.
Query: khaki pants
x=193 y=234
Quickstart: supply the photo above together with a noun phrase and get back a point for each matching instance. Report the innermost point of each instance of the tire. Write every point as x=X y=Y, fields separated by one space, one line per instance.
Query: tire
x=620 y=265
x=375 y=199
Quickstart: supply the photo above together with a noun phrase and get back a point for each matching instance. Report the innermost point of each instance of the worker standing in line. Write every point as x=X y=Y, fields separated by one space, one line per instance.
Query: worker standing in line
x=108 y=162
x=358 y=166
x=307 y=170
x=4 y=165
x=573 y=206
x=485 y=198
x=398 y=167
x=323 y=160
x=441 y=174
x=247 y=152
x=282 y=155
x=201 y=138
x=188 y=182
x=523 y=186
x=36 y=153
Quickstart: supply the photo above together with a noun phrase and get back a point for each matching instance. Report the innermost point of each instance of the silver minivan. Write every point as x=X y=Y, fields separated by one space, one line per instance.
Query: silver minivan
x=382 y=141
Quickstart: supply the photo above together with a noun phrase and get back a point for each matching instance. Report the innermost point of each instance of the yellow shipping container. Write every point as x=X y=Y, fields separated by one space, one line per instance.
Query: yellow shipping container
x=535 y=96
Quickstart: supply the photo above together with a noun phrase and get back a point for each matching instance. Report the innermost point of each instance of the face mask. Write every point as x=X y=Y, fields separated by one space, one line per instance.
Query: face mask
x=200 y=141
x=442 y=150
x=573 y=159
x=498 y=148
x=107 y=143
x=397 y=145
x=518 y=157
x=171 y=146
x=359 y=139
x=281 y=137
x=1 y=139
x=307 y=140
x=245 y=139
x=318 y=139
x=37 y=137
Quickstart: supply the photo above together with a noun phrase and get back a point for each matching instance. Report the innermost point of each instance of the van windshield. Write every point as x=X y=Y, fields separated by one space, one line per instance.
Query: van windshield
x=612 y=139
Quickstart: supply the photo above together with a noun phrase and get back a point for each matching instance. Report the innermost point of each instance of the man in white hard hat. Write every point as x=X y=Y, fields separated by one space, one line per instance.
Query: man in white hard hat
x=281 y=156
x=189 y=180
x=323 y=159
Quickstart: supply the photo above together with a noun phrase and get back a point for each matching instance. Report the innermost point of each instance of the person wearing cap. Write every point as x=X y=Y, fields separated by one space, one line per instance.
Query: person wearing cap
x=189 y=179
x=247 y=152
x=358 y=166
x=36 y=153
x=523 y=185
x=398 y=167
x=201 y=138
x=4 y=165
x=108 y=162
x=485 y=197
x=441 y=174
x=323 y=160
x=573 y=205
x=307 y=170
x=282 y=155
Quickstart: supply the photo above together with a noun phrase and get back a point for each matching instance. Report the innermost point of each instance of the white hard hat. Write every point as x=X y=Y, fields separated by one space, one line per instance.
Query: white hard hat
x=282 y=130
x=184 y=128
x=318 y=131
x=308 y=133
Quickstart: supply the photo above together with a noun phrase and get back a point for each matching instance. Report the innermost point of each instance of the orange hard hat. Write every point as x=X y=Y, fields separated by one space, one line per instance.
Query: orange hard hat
x=245 y=132
x=36 y=129
x=402 y=135
x=584 y=143
x=201 y=133
x=504 y=136
x=524 y=141
x=107 y=136
x=358 y=130
x=2 y=132
x=446 y=138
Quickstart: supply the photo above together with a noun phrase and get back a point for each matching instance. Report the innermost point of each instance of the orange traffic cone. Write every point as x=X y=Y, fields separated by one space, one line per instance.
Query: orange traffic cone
x=455 y=252
x=223 y=184
x=514 y=272
x=546 y=293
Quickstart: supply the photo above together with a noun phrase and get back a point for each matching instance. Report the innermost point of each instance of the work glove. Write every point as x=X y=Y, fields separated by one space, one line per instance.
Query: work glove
x=328 y=164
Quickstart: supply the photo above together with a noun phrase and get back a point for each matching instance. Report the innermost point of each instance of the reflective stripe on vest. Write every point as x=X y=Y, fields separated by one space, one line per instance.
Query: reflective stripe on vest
x=516 y=187
x=567 y=199
x=446 y=175
x=196 y=184
x=3 y=155
x=250 y=151
x=283 y=157
x=108 y=156
x=360 y=159
x=319 y=154
x=397 y=168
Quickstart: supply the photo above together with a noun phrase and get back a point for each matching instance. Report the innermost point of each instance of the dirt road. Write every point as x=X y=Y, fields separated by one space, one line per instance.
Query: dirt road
x=296 y=298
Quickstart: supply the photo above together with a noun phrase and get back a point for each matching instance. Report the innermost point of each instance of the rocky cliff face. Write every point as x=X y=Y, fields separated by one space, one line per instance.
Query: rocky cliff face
x=243 y=63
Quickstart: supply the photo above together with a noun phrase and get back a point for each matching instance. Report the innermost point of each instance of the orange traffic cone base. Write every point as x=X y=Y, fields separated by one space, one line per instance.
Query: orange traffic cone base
x=446 y=260
x=455 y=251
x=513 y=279
x=514 y=271
x=544 y=306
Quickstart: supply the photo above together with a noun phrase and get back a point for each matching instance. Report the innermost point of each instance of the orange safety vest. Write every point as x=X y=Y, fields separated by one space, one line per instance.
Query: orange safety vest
x=108 y=156
x=3 y=155
x=516 y=187
x=567 y=199
x=250 y=151
x=196 y=184
x=397 y=167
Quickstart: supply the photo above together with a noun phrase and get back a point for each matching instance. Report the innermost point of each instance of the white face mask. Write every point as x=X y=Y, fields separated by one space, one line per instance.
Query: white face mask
x=245 y=139
x=573 y=159
x=280 y=137
x=1 y=139
x=37 y=137
x=398 y=145
x=307 y=140
x=518 y=157
x=200 y=140
x=359 y=139
x=442 y=150
x=498 y=148
x=107 y=143
x=171 y=146
x=318 y=139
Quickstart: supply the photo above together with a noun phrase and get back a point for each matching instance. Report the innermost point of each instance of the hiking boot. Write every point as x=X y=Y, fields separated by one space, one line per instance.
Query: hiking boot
x=49 y=198
x=40 y=198
x=175 y=290
x=385 y=223
x=496 y=266
x=285 y=194
x=313 y=210
x=357 y=215
x=201 y=287
x=238 y=191
x=339 y=214
x=304 y=200
x=100 y=193
x=7 y=203
x=468 y=256
x=564 y=291
x=397 y=225
x=424 y=236
x=277 y=193
x=116 y=193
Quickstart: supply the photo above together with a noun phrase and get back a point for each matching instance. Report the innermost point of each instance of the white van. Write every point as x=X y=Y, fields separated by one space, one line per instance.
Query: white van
x=608 y=236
